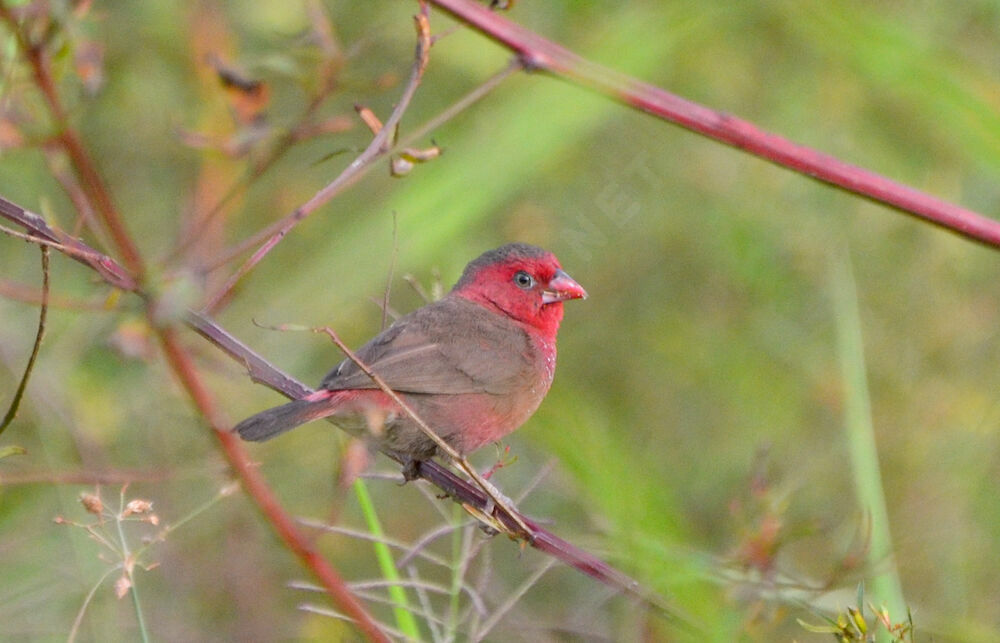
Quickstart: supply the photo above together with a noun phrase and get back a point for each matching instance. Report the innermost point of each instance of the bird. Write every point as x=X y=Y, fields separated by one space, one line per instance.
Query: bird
x=474 y=365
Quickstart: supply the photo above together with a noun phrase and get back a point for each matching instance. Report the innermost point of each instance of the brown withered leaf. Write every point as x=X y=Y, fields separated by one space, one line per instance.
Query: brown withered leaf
x=355 y=461
x=249 y=97
x=10 y=135
x=89 y=63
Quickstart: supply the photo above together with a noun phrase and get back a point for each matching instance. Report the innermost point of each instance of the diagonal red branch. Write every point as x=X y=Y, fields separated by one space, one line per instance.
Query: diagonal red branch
x=183 y=367
x=258 y=488
x=129 y=278
x=110 y=270
x=542 y=54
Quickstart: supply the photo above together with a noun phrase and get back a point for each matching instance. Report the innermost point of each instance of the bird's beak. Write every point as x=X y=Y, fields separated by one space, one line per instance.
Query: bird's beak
x=562 y=287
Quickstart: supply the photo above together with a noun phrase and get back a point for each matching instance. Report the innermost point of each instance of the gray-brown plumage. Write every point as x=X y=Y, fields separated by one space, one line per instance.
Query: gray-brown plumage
x=474 y=365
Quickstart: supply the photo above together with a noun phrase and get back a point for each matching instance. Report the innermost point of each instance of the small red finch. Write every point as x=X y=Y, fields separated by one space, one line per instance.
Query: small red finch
x=474 y=365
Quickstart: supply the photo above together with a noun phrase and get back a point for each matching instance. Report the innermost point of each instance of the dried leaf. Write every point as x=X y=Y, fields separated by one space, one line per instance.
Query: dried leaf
x=400 y=167
x=82 y=8
x=122 y=585
x=353 y=463
x=133 y=339
x=369 y=118
x=137 y=506
x=89 y=63
x=10 y=135
x=418 y=155
x=249 y=97
x=92 y=503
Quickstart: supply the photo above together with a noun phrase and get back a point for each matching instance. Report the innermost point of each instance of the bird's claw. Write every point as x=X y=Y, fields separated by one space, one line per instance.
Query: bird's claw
x=411 y=470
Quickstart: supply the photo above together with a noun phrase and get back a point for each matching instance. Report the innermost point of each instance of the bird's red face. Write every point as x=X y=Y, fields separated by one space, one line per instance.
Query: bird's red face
x=528 y=287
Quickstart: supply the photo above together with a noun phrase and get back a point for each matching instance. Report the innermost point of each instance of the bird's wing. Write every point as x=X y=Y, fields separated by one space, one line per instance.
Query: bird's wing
x=449 y=347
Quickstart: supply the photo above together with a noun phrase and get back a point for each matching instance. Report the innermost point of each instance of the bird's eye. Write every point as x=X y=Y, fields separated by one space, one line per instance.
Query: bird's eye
x=524 y=280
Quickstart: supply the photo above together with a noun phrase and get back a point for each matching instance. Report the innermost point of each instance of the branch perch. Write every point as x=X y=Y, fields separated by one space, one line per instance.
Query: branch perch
x=263 y=372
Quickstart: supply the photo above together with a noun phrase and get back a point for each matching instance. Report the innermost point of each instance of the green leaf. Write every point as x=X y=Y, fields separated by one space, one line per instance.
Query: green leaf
x=819 y=629
x=12 y=450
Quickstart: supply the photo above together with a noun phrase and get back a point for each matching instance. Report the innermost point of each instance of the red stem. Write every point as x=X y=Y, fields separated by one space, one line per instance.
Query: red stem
x=183 y=366
x=259 y=490
x=180 y=361
x=540 y=53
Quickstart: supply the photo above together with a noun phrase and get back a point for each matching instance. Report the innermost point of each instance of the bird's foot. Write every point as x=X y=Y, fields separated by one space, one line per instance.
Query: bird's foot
x=411 y=470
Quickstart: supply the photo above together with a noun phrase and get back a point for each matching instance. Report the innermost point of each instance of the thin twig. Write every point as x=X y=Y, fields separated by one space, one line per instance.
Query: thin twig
x=43 y=313
x=432 y=124
x=40 y=232
x=69 y=250
x=425 y=603
x=379 y=146
x=128 y=569
x=461 y=104
x=512 y=600
x=224 y=492
x=367 y=536
x=90 y=179
x=325 y=611
x=86 y=603
x=414 y=283
x=365 y=589
x=71 y=186
x=538 y=53
x=26 y=294
x=117 y=476
x=275 y=153
x=417 y=548
x=392 y=269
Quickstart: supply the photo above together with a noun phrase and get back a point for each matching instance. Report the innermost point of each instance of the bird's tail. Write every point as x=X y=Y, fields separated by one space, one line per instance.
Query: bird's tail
x=267 y=424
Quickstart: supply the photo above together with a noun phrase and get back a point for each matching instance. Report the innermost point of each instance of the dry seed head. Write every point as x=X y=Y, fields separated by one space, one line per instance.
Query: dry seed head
x=92 y=503
x=138 y=507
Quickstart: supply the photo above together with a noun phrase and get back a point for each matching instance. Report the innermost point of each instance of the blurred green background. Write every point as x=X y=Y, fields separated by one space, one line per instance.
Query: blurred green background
x=697 y=433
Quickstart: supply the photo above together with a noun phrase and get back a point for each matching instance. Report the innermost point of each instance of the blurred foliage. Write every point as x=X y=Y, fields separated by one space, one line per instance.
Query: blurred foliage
x=695 y=435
